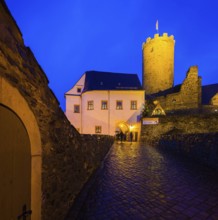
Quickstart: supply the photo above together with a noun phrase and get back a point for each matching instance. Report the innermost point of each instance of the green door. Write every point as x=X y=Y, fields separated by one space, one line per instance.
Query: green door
x=15 y=166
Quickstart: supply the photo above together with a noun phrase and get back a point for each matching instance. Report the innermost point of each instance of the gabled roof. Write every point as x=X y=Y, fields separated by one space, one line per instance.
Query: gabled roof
x=166 y=92
x=96 y=80
x=208 y=92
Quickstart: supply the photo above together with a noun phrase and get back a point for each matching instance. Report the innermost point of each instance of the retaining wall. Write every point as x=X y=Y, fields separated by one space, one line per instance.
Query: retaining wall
x=200 y=147
x=194 y=136
x=68 y=159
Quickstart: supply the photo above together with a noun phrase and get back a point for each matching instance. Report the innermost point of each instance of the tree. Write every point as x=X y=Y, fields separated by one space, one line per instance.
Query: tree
x=147 y=109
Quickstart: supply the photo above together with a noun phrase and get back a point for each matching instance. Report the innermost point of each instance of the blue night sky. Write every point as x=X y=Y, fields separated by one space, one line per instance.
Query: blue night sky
x=72 y=36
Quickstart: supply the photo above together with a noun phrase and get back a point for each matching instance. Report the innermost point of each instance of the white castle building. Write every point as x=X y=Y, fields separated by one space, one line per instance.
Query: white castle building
x=106 y=103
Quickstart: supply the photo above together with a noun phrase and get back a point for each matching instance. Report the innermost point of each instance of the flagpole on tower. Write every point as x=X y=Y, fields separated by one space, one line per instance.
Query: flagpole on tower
x=157 y=27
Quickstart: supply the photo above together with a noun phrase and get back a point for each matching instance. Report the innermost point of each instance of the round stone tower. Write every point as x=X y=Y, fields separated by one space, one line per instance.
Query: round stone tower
x=158 y=63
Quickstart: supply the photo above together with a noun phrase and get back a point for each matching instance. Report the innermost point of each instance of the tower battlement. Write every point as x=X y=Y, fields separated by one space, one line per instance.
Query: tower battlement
x=164 y=36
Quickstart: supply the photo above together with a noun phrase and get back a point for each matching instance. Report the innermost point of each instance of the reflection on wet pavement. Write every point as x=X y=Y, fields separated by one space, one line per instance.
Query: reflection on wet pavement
x=138 y=182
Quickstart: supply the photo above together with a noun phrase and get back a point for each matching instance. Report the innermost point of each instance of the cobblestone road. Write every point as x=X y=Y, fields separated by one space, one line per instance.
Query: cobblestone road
x=138 y=182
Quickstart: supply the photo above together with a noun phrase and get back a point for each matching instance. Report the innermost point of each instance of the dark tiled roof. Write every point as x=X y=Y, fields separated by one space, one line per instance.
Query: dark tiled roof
x=208 y=92
x=96 y=80
x=166 y=92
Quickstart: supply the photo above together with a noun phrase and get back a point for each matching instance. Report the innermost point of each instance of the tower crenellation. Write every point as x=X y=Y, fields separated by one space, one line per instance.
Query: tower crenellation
x=158 y=63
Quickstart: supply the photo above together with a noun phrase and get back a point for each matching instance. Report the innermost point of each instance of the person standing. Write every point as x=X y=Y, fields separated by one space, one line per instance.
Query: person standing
x=131 y=136
x=121 y=136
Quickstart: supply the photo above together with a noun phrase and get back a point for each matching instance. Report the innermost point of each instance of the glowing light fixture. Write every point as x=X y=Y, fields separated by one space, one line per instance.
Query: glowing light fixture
x=131 y=127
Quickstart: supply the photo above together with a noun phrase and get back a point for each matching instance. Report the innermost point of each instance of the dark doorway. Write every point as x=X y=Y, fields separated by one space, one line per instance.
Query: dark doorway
x=15 y=165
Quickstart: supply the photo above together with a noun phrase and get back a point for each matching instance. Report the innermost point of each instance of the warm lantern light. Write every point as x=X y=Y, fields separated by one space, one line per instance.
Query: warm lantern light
x=131 y=127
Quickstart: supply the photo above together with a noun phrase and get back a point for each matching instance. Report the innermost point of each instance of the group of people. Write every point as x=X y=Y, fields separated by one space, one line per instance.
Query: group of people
x=122 y=137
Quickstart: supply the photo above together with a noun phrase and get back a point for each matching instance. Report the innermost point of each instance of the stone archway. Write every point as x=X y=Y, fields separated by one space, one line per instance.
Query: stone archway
x=123 y=126
x=126 y=128
x=13 y=100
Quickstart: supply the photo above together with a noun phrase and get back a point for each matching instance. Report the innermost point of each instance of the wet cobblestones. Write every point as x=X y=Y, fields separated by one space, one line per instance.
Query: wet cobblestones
x=138 y=182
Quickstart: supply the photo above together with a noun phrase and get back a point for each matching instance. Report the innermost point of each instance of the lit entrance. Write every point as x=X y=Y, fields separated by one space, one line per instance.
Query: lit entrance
x=15 y=166
x=126 y=129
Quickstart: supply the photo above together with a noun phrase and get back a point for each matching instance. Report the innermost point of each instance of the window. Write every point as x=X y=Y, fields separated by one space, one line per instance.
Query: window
x=78 y=90
x=119 y=105
x=103 y=105
x=97 y=129
x=133 y=105
x=90 y=105
x=76 y=109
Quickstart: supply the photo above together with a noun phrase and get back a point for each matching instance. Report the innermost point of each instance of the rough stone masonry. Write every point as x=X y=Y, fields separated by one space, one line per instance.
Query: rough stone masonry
x=67 y=158
x=193 y=135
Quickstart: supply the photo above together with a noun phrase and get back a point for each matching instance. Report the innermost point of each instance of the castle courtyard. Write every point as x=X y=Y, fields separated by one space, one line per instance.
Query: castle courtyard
x=139 y=182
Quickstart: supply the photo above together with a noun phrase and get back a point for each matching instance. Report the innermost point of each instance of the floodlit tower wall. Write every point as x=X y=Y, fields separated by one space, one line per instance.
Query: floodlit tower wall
x=158 y=63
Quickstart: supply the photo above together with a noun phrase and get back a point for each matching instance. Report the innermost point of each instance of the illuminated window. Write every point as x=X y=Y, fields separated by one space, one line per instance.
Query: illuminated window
x=97 y=129
x=90 y=105
x=76 y=109
x=103 y=105
x=119 y=105
x=79 y=90
x=133 y=105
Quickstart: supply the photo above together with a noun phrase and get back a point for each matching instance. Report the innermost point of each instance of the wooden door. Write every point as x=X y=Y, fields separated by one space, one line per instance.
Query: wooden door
x=15 y=166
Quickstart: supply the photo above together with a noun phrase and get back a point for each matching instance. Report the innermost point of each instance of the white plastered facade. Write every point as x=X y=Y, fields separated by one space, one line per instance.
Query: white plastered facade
x=110 y=119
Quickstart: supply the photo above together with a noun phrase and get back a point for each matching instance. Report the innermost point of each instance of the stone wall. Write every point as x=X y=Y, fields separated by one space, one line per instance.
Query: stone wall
x=214 y=100
x=67 y=158
x=180 y=124
x=189 y=95
x=67 y=169
x=201 y=148
x=195 y=136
